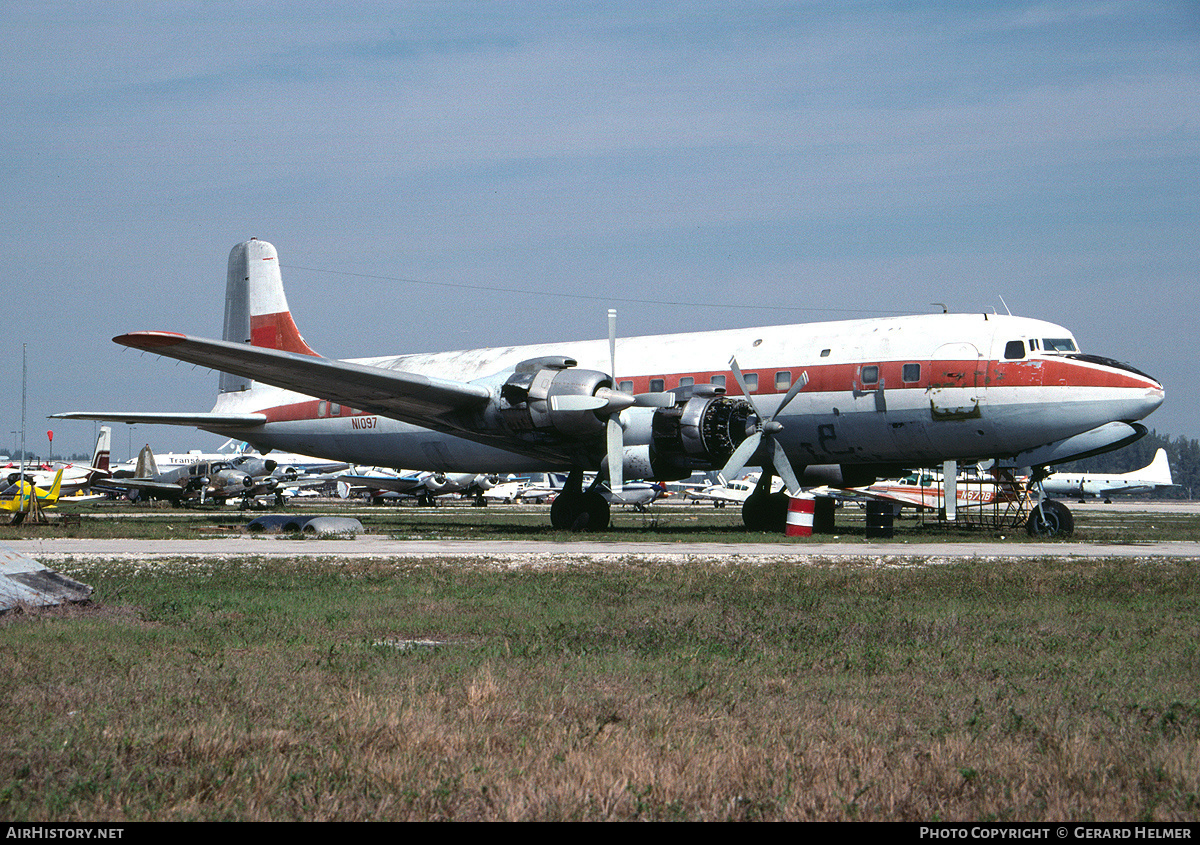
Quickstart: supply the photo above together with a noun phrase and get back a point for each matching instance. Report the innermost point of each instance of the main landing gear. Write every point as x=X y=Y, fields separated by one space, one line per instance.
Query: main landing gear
x=764 y=510
x=576 y=509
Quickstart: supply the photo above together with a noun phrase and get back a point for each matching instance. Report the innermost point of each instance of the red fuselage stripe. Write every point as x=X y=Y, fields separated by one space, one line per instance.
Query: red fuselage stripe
x=832 y=378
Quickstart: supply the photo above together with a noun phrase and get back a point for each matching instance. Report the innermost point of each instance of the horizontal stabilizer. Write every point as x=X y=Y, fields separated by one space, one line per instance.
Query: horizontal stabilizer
x=209 y=420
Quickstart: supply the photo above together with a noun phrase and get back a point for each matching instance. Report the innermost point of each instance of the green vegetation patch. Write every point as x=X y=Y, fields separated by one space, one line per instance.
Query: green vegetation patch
x=304 y=689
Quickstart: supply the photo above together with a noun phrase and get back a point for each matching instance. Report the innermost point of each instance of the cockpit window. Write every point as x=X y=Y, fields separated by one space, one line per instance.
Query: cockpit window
x=1014 y=349
x=1059 y=344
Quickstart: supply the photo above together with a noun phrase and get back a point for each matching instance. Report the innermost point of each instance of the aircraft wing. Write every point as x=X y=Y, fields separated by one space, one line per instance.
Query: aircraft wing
x=408 y=397
x=862 y=495
x=165 y=489
x=397 y=484
x=152 y=418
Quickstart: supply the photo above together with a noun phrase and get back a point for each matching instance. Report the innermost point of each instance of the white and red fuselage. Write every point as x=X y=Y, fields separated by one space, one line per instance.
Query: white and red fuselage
x=898 y=391
x=912 y=390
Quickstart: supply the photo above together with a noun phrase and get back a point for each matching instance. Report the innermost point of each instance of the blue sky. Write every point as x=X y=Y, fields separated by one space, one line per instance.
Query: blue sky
x=441 y=175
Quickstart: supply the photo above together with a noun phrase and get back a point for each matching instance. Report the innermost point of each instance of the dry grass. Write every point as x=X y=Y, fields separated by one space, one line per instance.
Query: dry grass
x=616 y=692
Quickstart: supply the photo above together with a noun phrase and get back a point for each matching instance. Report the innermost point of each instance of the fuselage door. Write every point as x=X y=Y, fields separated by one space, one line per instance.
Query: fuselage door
x=958 y=398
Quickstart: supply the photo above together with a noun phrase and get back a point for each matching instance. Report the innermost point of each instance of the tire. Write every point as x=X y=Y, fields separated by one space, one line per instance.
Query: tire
x=1049 y=521
x=765 y=512
x=580 y=512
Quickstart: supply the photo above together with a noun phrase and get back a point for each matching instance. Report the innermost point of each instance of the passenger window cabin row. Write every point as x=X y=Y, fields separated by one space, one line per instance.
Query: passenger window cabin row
x=910 y=374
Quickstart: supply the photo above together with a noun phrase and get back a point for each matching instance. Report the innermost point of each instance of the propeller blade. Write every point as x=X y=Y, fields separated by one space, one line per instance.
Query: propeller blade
x=616 y=456
x=612 y=342
x=741 y=382
x=741 y=454
x=655 y=400
x=792 y=392
x=783 y=469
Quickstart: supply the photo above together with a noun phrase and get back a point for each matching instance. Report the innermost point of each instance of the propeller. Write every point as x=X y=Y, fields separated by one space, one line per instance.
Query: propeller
x=767 y=427
x=615 y=434
x=610 y=402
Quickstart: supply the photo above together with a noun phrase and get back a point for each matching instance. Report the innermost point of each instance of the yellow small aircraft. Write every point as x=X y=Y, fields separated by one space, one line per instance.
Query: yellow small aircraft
x=18 y=498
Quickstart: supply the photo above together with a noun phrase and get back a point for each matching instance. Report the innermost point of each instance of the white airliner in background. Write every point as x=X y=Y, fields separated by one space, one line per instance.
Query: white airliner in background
x=843 y=401
x=1098 y=484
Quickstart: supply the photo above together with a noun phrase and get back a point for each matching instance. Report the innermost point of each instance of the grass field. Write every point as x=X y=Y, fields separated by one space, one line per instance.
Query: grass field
x=417 y=690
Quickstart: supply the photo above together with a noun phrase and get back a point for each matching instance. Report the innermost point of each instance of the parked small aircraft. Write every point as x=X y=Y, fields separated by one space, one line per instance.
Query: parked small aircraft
x=230 y=449
x=20 y=496
x=243 y=477
x=731 y=492
x=636 y=494
x=74 y=478
x=1099 y=484
x=843 y=402
x=424 y=486
x=925 y=489
x=537 y=488
x=508 y=490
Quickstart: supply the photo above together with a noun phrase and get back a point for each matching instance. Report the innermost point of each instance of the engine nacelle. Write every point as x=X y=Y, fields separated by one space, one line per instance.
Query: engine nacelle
x=527 y=398
x=700 y=432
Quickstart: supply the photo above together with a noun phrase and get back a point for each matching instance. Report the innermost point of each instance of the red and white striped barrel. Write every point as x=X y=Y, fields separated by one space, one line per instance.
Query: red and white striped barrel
x=800 y=516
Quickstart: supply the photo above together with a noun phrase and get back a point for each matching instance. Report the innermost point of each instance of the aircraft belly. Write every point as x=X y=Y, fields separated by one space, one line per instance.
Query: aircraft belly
x=394 y=444
x=854 y=428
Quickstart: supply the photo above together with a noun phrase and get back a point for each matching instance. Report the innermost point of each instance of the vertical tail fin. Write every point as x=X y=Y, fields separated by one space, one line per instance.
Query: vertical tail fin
x=52 y=495
x=1160 y=469
x=256 y=309
x=100 y=457
x=147 y=467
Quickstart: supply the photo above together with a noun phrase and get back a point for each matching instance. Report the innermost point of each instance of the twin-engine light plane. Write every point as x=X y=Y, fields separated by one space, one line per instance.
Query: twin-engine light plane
x=836 y=402
x=243 y=477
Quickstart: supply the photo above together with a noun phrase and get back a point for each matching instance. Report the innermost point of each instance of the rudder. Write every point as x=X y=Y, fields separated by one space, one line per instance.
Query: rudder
x=256 y=309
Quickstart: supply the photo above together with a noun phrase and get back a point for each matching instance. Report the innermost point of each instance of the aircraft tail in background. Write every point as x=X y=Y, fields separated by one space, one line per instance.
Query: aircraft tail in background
x=146 y=466
x=102 y=454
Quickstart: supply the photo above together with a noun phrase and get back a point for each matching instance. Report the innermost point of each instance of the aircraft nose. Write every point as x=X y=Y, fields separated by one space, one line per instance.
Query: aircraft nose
x=1134 y=394
x=1144 y=396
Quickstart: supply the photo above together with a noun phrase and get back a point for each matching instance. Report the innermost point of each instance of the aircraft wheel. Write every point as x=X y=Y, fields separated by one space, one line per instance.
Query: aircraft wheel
x=765 y=512
x=580 y=512
x=1052 y=519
